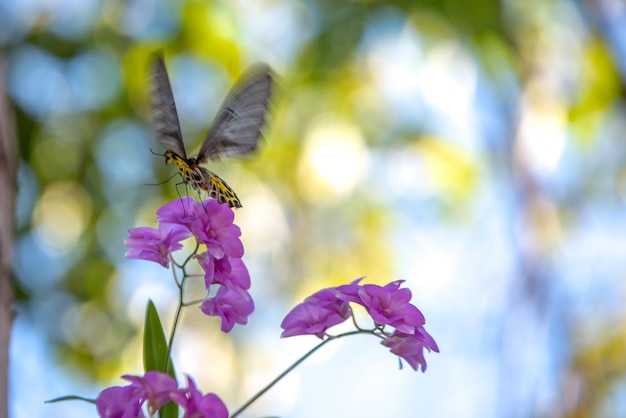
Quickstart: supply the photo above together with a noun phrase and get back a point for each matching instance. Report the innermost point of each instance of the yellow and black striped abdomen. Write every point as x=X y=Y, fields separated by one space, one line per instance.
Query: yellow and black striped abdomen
x=199 y=178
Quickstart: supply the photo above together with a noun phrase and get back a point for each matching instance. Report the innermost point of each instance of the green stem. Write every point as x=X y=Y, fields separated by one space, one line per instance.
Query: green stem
x=193 y=302
x=191 y=255
x=179 y=309
x=180 y=306
x=354 y=321
x=290 y=368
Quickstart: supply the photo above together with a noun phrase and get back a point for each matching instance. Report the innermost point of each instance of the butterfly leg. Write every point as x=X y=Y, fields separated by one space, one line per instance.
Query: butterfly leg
x=201 y=202
x=180 y=197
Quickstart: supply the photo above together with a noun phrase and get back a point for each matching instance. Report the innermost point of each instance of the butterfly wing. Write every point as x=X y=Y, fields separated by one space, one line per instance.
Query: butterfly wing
x=164 y=113
x=218 y=188
x=237 y=127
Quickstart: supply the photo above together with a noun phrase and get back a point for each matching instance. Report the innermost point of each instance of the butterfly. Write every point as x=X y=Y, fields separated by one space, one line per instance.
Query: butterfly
x=236 y=130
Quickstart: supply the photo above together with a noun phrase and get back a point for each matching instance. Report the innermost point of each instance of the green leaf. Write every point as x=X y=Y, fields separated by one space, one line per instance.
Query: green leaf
x=155 y=353
x=155 y=344
x=169 y=410
x=70 y=398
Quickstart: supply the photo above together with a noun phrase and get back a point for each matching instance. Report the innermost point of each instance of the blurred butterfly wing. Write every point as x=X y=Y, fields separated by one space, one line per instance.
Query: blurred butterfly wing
x=164 y=113
x=237 y=127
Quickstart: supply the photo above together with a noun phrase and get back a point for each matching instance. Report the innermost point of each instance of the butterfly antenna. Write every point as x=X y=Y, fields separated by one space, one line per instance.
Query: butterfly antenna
x=163 y=182
x=155 y=153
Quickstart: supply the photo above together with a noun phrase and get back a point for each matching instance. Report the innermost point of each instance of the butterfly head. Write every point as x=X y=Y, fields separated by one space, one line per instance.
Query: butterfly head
x=170 y=157
x=185 y=166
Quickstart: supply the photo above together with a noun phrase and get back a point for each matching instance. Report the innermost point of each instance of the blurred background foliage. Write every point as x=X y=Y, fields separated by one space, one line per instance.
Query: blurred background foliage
x=474 y=148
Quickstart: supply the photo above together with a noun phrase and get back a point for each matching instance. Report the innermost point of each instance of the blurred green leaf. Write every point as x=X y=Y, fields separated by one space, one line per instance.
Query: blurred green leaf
x=155 y=353
x=169 y=410
x=154 y=343
x=71 y=398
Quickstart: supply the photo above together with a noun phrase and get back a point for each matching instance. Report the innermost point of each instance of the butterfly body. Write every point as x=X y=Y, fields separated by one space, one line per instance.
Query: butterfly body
x=199 y=178
x=235 y=132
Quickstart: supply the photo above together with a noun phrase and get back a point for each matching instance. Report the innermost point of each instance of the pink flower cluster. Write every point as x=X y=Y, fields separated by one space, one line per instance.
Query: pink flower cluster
x=212 y=226
x=387 y=305
x=156 y=389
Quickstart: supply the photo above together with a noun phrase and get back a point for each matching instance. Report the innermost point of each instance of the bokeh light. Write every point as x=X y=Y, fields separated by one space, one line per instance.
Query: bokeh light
x=474 y=150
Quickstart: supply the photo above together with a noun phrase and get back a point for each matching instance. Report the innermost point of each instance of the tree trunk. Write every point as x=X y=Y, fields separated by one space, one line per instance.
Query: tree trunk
x=8 y=165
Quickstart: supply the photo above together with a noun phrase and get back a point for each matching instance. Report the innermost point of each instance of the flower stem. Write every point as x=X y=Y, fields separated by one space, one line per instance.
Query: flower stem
x=290 y=368
x=180 y=306
x=179 y=309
